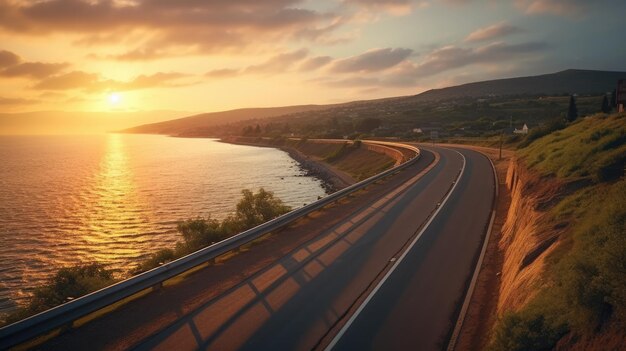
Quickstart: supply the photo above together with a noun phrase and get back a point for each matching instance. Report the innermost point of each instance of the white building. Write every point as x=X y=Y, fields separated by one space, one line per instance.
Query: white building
x=524 y=130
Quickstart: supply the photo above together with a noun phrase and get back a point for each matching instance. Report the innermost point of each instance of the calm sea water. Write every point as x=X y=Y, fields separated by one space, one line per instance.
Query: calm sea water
x=115 y=198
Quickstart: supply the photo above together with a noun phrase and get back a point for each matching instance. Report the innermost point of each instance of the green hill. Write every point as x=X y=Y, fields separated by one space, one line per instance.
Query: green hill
x=405 y=111
x=204 y=120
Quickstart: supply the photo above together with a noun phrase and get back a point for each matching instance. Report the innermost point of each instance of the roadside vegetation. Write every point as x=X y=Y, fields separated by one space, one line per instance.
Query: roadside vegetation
x=584 y=289
x=67 y=284
x=72 y=282
x=252 y=210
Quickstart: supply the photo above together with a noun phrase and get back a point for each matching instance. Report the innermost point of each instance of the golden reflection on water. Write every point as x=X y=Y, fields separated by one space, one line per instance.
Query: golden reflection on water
x=115 y=199
x=114 y=204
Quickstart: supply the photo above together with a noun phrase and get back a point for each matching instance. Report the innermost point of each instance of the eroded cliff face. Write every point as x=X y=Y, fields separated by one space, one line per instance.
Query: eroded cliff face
x=527 y=236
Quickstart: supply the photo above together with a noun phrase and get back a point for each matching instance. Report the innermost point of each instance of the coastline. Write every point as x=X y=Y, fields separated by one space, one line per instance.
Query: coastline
x=332 y=178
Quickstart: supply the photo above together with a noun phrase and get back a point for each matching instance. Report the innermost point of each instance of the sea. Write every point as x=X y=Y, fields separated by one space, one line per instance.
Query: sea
x=116 y=198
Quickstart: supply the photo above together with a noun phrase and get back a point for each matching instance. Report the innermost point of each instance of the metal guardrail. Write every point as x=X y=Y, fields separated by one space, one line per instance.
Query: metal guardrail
x=66 y=314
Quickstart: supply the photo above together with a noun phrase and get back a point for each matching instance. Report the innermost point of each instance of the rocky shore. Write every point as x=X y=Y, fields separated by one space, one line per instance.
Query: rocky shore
x=332 y=179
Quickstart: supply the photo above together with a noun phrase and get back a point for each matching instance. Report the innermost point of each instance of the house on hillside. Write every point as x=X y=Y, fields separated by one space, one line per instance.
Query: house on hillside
x=524 y=130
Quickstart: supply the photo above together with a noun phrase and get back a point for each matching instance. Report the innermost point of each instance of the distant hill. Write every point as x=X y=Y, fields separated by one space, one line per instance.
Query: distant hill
x=204 y=120
x=565 y=82
x=571 y=81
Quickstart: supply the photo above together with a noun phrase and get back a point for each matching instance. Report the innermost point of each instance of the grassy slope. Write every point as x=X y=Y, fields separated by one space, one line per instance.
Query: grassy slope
x=359 y=163
x=583 y=305
x=588 y=148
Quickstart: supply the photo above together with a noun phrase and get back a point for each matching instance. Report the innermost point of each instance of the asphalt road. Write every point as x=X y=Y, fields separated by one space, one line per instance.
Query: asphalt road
x=415 y=307
x=300 y=300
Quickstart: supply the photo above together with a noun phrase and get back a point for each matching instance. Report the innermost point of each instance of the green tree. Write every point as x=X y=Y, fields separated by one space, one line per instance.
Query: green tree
x=614 y=98
x=254 y=209
x=572 y=110
x=200 y=232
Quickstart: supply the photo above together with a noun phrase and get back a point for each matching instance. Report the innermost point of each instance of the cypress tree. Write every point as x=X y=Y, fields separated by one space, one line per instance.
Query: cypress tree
x=605 y=105
x=614 y=98
x=572 y=111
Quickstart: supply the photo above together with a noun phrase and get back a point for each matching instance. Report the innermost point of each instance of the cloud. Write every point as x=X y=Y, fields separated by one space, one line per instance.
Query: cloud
x=36 y=70
x=393 y=7
x=371 y=61
x=159 y=79
x=11 y=66
x=92 y=82
x=170 y=27
x=15 y=101
x=555 y=7
x=8 y=58
x=68 y=81
x=498 y=30
x=314 y=63
x=222 y=73
x=141 y=54
x=451 y=57
x=408 y=73
x=279 y=63
x=455 y=2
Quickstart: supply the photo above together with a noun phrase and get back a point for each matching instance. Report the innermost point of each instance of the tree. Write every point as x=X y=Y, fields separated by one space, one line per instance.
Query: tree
x=572 y=111
x=254 y=209
x=247 y=131
x=201 y=232
x=605 y=105
x=257 y=130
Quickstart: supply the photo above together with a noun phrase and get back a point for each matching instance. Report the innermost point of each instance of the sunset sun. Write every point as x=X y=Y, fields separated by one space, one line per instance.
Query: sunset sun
x=114 y=99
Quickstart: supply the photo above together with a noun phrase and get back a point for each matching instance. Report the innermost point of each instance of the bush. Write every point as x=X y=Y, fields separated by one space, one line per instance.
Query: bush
x=200 y=232
x=67 y=284
x=337 y=154
x=156 y=259
x=253 y=209
x=519 y=331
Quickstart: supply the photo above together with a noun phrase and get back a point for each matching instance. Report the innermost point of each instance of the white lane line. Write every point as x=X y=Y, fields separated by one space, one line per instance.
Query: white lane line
x=470 y=290
x=397 y=262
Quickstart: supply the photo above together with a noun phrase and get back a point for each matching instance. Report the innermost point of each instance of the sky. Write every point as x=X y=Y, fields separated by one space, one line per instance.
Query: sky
x=213 y=55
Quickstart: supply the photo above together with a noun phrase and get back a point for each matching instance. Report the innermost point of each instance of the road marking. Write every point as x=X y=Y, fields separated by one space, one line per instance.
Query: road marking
x=470 y=290
x=396 y=263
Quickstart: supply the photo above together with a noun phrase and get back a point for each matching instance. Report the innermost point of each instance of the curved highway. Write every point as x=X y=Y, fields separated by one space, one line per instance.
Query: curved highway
x=389 y=275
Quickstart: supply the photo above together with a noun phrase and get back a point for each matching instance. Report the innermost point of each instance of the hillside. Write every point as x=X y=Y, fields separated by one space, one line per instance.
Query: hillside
x=571 y=81
x=205 y=120
x=521 y=98
x=564 y=255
